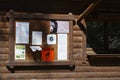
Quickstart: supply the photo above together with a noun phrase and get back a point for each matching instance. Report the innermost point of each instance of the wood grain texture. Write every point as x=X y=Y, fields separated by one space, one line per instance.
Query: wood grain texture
x=3 y=44
x=4 y=37
x=83 y=70
x=55 y=75
x=77 y=51
x=77 y=33
x=4 y=31
x=76 y=28
x=77 y=39
x=97 y=69
x=4 y=25
x=3 y=57
x=74 y=79
x=77 y=45
x=3 y=50
x=3 y=63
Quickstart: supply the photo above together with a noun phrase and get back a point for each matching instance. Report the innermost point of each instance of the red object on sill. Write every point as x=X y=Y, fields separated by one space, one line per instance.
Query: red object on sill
x=47 y=55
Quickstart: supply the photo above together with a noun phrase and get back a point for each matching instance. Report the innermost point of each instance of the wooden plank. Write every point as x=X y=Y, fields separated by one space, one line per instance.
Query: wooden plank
x=88 y=9
x=11 y=39
x=84 y=37
x=106 y=55
x=4 y=70
x=3 y=57
x=90 y=52
x=97 y=69
x=39 y=71
x=3 y=31
x=89 y=49
x=4 y=38
x=4 y=25
x=15 y=15
x=32 y=63
x=3 y=44
x=71 y=40
x=76 y=79
x=3 y=63
x=3 y=50
x=55 y=75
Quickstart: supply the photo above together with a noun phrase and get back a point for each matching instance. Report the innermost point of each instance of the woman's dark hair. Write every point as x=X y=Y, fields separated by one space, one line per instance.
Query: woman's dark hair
x=54 y=26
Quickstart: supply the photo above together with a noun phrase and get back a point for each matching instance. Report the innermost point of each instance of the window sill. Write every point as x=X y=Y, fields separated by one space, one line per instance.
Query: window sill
x=105 y=55
x=104 y=59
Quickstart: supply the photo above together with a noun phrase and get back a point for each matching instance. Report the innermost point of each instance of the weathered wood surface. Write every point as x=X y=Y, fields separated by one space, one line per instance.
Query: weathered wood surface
x=54 y=75
x=78 y=68
x=4 y=44
x=83 y=71
x=77 y=33
x=77 y=79
x=4 y=38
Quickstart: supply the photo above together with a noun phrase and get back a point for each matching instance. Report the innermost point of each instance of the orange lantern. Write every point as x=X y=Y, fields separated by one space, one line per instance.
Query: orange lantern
x=47 y=55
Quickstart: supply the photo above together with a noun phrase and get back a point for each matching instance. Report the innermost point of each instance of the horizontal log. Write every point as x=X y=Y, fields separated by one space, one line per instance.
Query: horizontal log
x=77 y=56
x=90 y=52
x=4 y=50
x=77 y=45
x=3 y=57
x=55 y=75
x=3 y=63
x=76 y=27
x=4 y=38
x=4 y=70
x=77 y=33
x=75 y=51
x=81 y=63
x=4 y=25
x=3 y=31
x=39 y=16
x=97 y=69
x=77 y=39
x=77 y=79
x=89 y=49
x=3 y=44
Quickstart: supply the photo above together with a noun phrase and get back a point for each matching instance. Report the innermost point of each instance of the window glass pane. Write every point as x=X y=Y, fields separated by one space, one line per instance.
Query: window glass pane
x=114 y=35
x=95 y=33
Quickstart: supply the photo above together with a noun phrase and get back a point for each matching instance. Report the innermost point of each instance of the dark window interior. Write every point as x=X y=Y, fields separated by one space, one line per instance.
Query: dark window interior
x=104 y=37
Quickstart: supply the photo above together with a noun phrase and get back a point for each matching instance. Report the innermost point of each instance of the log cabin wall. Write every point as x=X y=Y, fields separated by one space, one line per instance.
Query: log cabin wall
x=108 y=10
x=83 y=70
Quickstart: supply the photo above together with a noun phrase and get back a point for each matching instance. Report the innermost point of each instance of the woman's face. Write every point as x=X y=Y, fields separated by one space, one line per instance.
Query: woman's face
x=52 y=26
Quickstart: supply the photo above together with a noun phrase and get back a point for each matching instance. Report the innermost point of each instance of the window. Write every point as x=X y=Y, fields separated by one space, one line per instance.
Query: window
x=104 y=36
x=103 y=43
x=95 y=34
